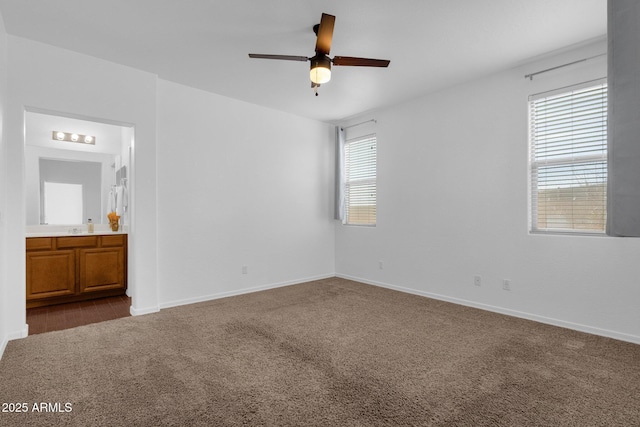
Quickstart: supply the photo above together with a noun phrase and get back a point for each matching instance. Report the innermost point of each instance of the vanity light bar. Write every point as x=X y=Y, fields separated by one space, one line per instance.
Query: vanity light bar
x=73 y=137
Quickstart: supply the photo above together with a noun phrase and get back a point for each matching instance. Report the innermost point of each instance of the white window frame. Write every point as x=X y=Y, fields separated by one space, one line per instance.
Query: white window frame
x=360 y=178
x=576 y=151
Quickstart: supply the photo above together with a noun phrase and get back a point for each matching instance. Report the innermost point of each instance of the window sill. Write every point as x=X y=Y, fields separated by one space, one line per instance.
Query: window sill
x=567 y=233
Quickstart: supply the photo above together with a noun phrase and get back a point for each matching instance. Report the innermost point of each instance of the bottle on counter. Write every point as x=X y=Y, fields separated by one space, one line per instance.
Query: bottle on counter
x=89 y=226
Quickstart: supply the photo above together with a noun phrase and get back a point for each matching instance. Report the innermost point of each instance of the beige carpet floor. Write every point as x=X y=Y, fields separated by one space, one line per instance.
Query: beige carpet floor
x=325 y=353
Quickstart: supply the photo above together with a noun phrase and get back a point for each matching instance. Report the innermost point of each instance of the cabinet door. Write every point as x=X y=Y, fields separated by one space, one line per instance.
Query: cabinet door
x=50 y=274
x=101 y=269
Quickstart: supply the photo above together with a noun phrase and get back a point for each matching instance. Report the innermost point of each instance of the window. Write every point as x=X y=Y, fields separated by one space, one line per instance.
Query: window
x=360 y=180
x=568 y=159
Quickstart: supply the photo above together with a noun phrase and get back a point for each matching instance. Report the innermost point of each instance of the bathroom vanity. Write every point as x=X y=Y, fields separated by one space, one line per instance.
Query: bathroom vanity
x=68 y=268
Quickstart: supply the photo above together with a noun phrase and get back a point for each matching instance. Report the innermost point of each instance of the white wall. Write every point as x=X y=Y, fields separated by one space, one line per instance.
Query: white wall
x=239 y=185
x=452 y=203
x=127 y=139
x=48 y=79
x=4 y=163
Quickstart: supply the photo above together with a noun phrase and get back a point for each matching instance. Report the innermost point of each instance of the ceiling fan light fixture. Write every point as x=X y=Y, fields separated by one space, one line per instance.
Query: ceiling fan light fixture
x=320 y=69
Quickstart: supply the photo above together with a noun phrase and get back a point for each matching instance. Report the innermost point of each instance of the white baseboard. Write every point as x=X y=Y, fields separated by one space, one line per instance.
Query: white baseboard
x=142 y=311
x=3 y=345
x=203 y=298
x=23 y=333
x=501 y=310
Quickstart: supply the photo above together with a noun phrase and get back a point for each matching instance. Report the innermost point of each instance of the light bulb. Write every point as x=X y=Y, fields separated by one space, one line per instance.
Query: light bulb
x=74 y=137
x=320 y=69
x=320 y=75
x=60 y=136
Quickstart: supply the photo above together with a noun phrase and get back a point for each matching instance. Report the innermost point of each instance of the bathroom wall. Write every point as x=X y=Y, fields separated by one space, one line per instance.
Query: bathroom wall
x=39 y=143
x=127 y=140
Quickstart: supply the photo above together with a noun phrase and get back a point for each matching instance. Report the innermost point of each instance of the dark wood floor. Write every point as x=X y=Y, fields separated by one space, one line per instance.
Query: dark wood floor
x=65 y=316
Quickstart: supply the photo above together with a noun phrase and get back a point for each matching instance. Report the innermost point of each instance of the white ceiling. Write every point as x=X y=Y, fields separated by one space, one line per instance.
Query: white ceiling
x=204 y=43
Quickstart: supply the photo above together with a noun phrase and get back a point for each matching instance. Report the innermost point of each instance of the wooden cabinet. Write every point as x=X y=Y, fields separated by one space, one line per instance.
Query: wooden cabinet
x=75 y=268
x=51 y=274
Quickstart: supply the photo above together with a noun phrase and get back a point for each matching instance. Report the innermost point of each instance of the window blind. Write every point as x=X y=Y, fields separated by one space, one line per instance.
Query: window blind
x=568 y=159
x=360 y=180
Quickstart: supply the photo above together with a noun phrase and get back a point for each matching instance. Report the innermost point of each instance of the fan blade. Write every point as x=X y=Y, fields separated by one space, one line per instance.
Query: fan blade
x=283 y=57
x=360 y=62
x=325 y=34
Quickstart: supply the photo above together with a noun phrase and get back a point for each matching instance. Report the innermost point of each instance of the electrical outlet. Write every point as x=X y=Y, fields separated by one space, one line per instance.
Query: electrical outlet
x=506 y=284
x=477 y=280
x=380 y=265
x=245 y=269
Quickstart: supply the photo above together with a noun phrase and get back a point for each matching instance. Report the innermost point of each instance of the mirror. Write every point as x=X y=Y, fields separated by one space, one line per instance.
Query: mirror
x=68 y=182
x=70 y=191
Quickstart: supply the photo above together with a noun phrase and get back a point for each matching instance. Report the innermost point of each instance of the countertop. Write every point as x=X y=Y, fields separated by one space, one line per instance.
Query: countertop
x=58 y=231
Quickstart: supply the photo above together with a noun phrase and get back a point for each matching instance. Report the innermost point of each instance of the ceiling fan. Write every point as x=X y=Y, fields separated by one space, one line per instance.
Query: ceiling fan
x=321 y=63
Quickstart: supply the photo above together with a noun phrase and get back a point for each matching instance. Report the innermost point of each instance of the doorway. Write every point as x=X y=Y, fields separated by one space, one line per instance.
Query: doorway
x=92 y=173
